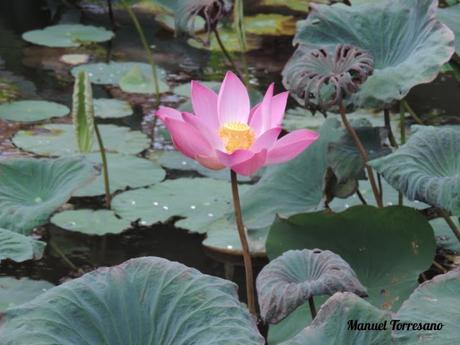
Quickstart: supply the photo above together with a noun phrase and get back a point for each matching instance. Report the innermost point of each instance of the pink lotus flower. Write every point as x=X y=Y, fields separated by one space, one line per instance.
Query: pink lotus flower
x=225 y=132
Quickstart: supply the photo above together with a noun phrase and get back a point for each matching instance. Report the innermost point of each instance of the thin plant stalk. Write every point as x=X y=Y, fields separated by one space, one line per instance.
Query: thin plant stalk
x=150 y=58
x=363 y=153
x=311 y=304
x=402 y=128
x=105 y=167
x=111 y=16
x=227 y=54
x=451 y=224
x=361 y=197
x=412 y=113
x=244 y=245
x=241 y=33
x=62 y=255
x=391 y=137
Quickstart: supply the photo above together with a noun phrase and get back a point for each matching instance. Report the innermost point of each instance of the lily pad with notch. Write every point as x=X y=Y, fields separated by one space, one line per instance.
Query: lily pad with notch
x=32 y=111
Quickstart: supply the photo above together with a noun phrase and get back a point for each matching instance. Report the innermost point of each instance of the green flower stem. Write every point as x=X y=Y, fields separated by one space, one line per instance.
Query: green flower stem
x=391 y=136
x=227 y=54
x=412 y=113
x=311 y=304
x=151 y=59
x=451 y=224
x=244 y=245
x=105 y=167
x=363 y=153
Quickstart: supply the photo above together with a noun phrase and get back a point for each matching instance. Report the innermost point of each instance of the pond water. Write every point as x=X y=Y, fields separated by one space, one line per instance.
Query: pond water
x=45 y=78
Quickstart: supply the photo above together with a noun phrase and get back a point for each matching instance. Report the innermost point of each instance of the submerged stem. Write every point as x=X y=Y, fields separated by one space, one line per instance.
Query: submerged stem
x=244 y=244
x=363 y=153
x=402 y=129
x=311 y=304
x=105 y=167
x=227 y=54
x=62 y=255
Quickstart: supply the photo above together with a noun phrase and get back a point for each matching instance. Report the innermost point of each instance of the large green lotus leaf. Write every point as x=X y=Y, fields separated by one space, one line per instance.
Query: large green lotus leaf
x=59 y=140
x=451 y=17
x=15 y=292
x=108 y=108
x=434 y=301
x=31 y=111
x=199 y=200
x=222 y=237
x=124 y=171
x=427 y=167
x=18 y=247
x=32 y=189
x=445 y=238
x=331 y=326
x=67 y=35
x=293 y=187
x=291 y=279
x=408 y=44
x=344 y=158
x=136 y=81
x=148 y=301
x=110 y=73
x=91 y=222
x=387 y=248
x=272 y=24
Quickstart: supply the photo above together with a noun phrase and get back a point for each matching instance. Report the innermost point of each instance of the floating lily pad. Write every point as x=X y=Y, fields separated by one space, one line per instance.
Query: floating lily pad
x=331 y=326
x=230 y=39
x=32 y=189
x=67 y=35
x=119 y=305
x=293 y=187
x=291 y=279
x=177 y=161
x=406 y=41
x=90 y=222
x=14 y=292
x=124 y=171
x=434 y=301
x=222 y=237
x=111 y=73
x=59 y=140
x=387 y=248
x=136 y=81
x=272 y=24
x=450 y=16
x=185 y=89
x=108 y=108
x=200 y=201
x=427 y=167
x=18 y=247
x=74 y=59
x=31 y=111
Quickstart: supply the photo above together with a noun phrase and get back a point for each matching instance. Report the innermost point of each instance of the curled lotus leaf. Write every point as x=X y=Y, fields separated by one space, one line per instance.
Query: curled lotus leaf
x=321 y=78
x=331 y=325
x=148 y=301
x=407 y=42
x=32 y=189
x=212 y=11
x=426 y=168
x=291 y=279
x=18 y=247
x=434 y=301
